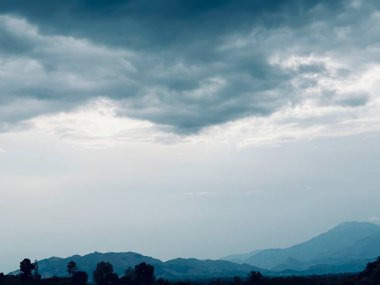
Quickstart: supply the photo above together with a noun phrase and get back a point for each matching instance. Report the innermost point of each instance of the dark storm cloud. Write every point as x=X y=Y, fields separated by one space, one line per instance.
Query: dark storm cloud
x=11 y=45
x=186 y=64
x=158 y=24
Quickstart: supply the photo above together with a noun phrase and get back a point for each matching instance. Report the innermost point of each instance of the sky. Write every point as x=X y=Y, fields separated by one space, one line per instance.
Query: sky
x=180 y=128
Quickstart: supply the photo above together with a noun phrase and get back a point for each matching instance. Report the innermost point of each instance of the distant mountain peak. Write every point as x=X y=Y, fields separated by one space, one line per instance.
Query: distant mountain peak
x=345 y=248
x=357 y=224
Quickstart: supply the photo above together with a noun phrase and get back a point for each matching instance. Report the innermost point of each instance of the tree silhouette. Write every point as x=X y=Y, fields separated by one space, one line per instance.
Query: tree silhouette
x=371 y=274
x=72 y=268
x=79 y=278
x=26 y=268
x=104 y=275
x=162 y=281
x=129 y=276
x=254 y=277
x=236 y=280
x=2 y=278
x=144 y=274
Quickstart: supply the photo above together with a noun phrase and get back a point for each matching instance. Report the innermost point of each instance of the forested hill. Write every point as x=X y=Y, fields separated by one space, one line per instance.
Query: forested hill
x=173 y=269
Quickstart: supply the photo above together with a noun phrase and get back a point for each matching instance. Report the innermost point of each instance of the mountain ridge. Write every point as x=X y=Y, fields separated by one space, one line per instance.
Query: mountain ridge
x=347 y=243
x=347 y=247
x=179 y=268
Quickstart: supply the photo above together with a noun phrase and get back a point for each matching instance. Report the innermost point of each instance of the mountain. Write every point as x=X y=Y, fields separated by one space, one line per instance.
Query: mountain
x=240 y=257
x=173 y=269
x=346 y=248
x=193 y=268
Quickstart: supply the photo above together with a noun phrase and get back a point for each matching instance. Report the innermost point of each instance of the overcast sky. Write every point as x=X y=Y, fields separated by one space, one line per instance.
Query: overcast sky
x=185 y=128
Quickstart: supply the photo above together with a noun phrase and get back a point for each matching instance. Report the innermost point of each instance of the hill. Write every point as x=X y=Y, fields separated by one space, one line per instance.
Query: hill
x=346 y=248
x=173 y=269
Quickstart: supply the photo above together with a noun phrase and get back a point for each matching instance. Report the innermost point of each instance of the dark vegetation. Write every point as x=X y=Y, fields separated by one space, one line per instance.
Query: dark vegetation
x=143 y=274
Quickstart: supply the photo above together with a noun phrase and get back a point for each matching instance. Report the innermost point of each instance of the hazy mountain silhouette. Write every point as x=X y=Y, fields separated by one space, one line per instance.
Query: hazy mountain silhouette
x=191 y=267
x=240 y=257
x=346 y=248
x=173 y=269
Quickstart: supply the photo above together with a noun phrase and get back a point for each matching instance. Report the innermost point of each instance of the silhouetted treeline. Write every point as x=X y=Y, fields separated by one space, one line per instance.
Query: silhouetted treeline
x=143 y=274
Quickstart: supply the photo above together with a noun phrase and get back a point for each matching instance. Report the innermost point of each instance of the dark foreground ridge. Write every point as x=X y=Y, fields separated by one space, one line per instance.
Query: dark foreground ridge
x=144 y=274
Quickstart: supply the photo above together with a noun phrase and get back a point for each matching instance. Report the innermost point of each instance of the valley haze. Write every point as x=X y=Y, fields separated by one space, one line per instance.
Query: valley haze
x=347 y=248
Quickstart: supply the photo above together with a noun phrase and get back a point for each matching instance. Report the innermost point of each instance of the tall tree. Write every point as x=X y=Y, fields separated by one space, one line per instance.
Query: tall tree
x=254 y=277
x=2 y=278
x=79 y=278
x=144 y=274
x=104 y=275
x=129 y=276
x=72 y=268
x=26 y=268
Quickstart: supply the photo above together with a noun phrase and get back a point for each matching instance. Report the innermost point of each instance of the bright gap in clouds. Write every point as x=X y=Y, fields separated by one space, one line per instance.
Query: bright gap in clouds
x=98 y=125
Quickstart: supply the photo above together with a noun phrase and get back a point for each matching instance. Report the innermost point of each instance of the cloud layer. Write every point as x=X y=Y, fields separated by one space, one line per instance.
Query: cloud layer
x=185 y=65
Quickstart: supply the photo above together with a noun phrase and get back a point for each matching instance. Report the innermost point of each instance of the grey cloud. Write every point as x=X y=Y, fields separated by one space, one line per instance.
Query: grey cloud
x=312 y=68
x=185 y=64
x=10 y=45
x=161 y=24
x=354 y=101
x=349 y=99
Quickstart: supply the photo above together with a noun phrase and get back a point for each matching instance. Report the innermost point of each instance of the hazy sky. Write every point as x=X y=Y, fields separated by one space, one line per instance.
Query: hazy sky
x=180 y=128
